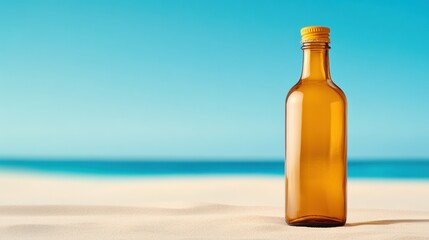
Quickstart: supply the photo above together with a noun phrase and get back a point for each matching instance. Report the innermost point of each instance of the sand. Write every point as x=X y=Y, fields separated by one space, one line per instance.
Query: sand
x=71 y=207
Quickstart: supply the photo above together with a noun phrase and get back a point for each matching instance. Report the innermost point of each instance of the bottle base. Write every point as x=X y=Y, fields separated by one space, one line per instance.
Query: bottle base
x=316 y=221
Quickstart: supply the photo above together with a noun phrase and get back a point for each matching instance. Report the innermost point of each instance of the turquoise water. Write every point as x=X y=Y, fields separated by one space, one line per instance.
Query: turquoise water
x=391 y=169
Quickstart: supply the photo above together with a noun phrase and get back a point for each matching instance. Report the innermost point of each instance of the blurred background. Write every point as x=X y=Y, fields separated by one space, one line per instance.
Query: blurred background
x=203 y=80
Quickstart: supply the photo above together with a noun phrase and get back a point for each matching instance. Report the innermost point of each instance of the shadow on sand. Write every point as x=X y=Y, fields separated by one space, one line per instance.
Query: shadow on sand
x=387 y=222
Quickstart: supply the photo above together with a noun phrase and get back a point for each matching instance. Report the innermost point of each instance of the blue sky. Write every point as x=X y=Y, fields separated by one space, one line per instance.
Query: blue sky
x=207 y=79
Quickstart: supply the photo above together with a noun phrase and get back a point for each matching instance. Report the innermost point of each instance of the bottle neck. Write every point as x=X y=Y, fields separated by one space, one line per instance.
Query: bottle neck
x=315 y=65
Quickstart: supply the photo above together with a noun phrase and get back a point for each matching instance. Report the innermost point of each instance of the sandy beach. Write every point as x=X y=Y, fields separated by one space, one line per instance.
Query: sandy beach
x=76 y=207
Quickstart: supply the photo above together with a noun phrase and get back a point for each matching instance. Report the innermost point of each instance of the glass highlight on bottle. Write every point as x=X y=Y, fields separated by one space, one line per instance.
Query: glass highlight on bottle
x=316 y=140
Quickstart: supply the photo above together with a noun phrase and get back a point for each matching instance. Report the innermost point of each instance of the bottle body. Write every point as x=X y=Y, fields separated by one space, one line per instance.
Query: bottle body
x=316 y=175
x=316 y=145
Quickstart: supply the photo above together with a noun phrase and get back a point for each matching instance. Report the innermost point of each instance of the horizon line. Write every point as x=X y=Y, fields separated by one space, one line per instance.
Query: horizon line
x=194 y=159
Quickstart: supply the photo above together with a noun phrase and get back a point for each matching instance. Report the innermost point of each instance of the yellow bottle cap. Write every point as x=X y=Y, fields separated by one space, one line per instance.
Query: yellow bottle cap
x=315 y=34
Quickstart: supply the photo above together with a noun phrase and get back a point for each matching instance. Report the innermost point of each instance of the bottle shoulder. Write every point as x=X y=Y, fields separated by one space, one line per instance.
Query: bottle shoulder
x=337 y=89
x=317 y=91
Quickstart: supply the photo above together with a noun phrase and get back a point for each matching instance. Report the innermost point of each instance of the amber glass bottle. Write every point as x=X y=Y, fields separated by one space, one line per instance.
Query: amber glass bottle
x=316 y=140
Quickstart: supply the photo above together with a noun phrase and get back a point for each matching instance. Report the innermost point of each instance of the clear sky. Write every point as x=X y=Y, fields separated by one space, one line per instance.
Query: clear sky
x=206 y=79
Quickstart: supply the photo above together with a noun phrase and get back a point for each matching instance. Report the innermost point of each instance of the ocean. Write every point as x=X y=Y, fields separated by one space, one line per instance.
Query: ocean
x=383 y=169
